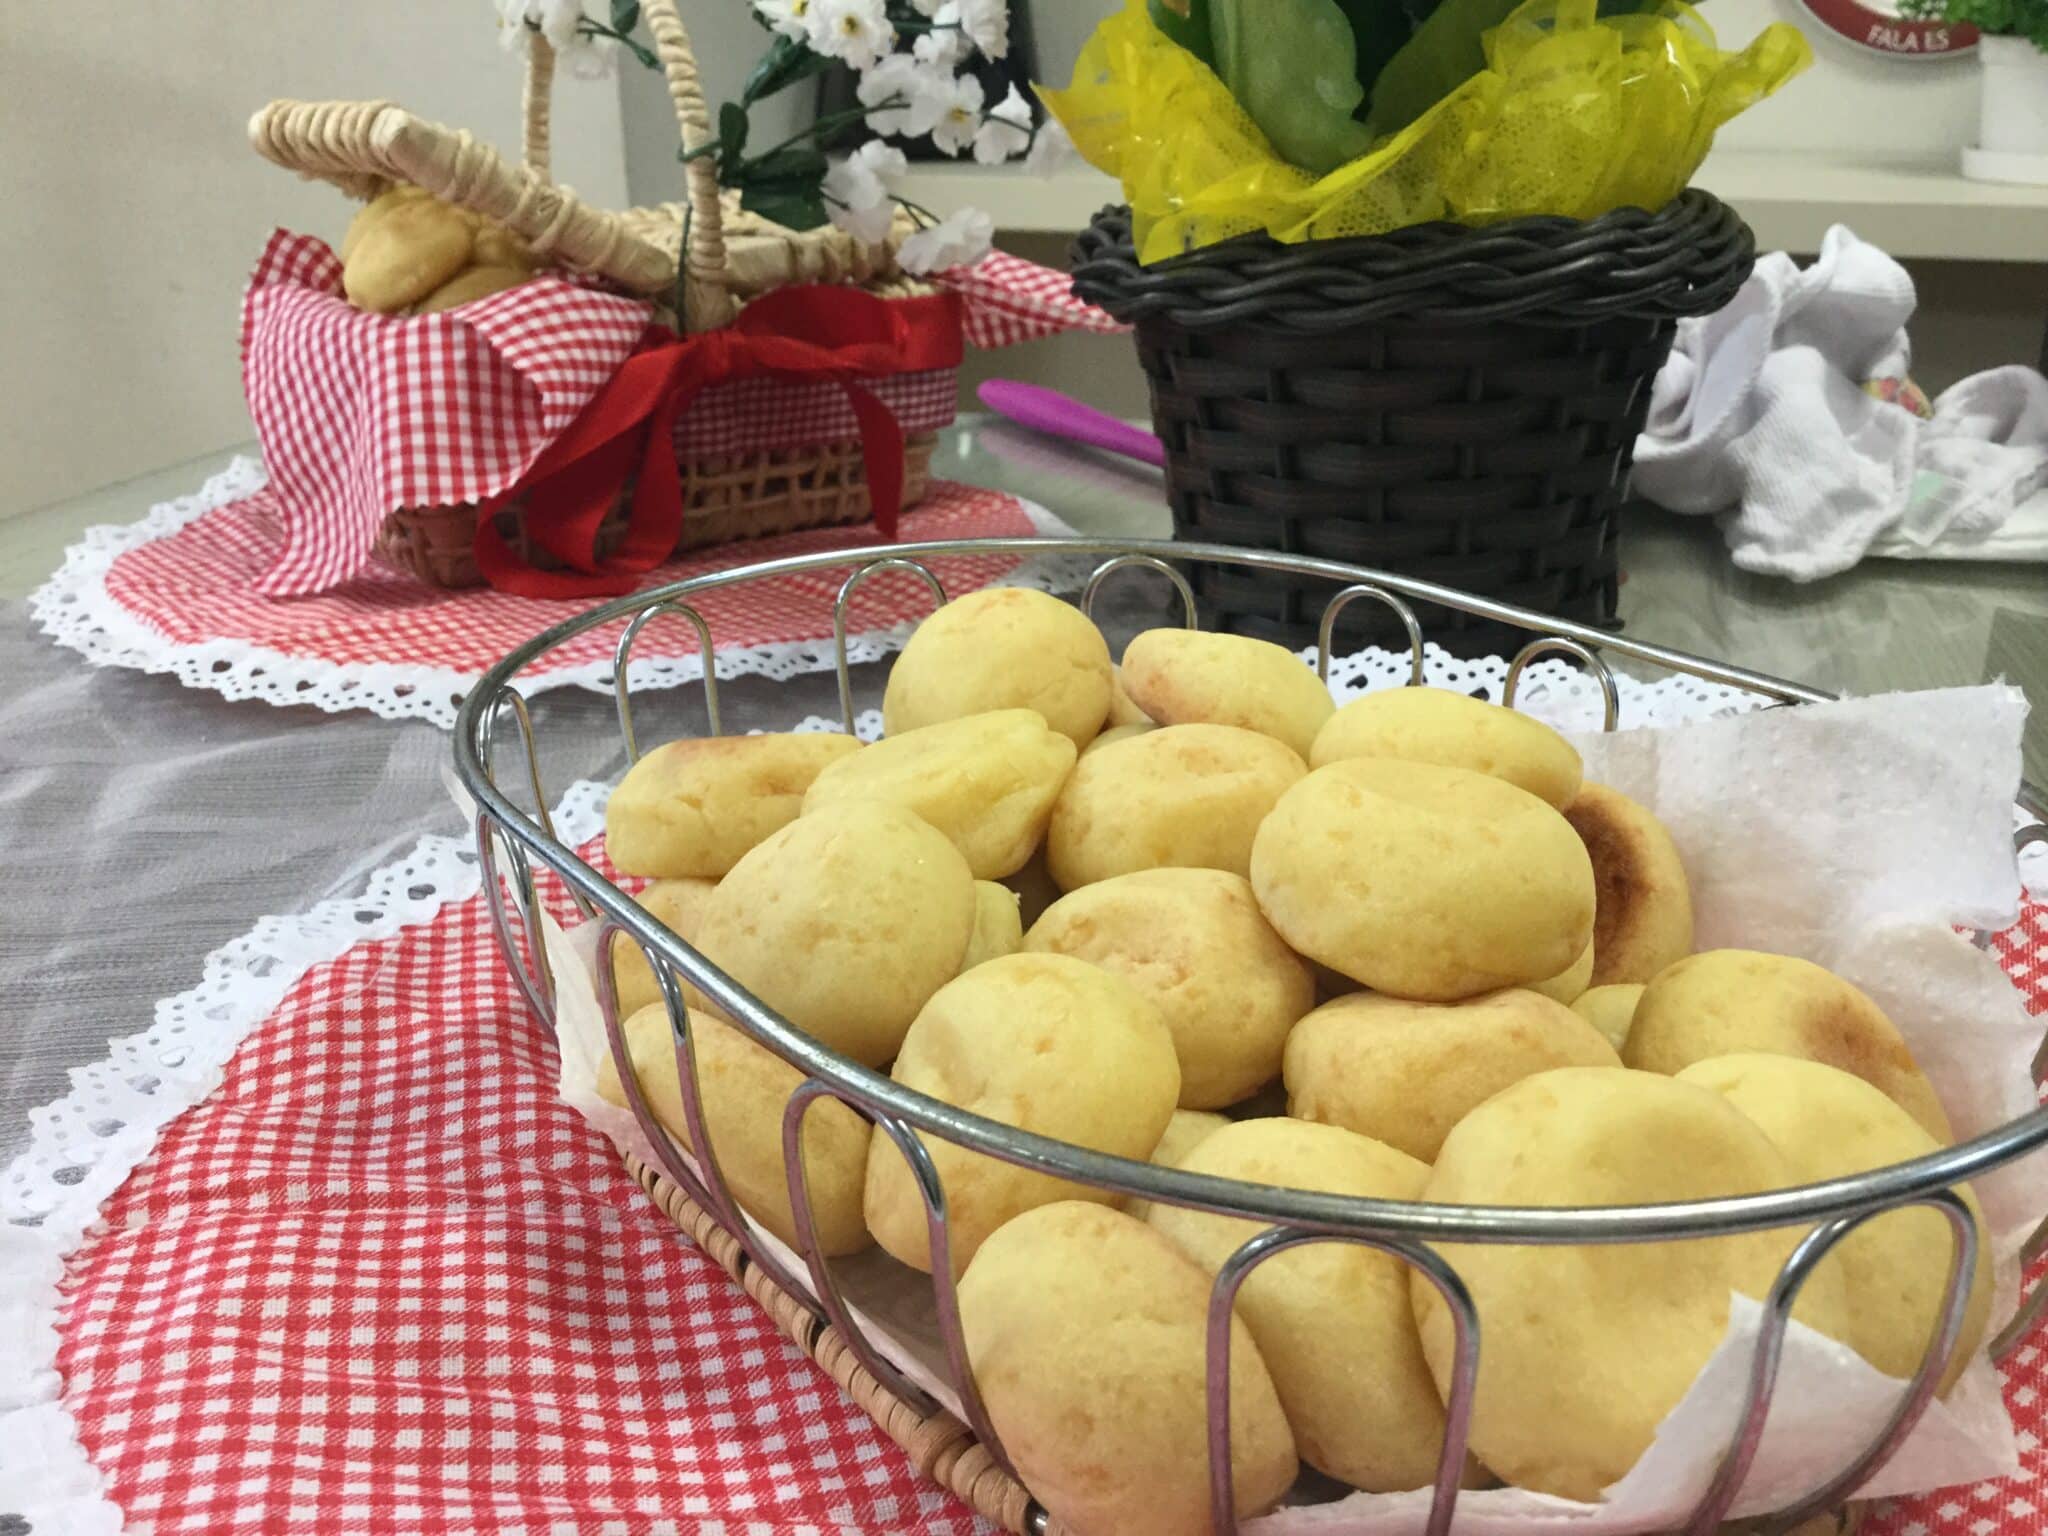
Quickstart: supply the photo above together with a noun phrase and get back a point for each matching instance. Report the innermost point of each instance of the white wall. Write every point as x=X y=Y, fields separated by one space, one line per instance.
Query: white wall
x=727 y=43
x=135 y=207
x=1852 y=100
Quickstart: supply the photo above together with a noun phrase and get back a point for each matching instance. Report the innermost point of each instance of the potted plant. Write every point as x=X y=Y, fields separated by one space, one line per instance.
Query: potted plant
x=2012 y=124
x=1401 y=275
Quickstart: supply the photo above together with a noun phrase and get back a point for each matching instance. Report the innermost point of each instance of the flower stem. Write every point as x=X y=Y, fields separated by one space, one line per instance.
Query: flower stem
x=830 y=122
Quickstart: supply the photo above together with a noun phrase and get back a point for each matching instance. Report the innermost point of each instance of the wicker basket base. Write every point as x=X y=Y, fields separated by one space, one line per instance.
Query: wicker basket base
x=748 y=496
x=942 y=1448
x=1491 y=458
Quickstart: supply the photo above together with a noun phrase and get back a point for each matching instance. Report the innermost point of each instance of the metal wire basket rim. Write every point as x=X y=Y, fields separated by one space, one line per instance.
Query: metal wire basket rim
x=878 y=1094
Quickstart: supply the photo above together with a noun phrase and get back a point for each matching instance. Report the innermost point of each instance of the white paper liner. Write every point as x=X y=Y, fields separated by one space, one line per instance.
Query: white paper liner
x=1855 y=834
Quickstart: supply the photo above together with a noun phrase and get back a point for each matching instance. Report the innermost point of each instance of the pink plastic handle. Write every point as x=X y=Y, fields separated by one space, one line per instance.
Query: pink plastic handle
x=1049 y=411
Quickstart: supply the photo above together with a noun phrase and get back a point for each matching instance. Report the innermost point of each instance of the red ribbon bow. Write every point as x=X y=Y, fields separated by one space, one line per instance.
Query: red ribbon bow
x=825 y=333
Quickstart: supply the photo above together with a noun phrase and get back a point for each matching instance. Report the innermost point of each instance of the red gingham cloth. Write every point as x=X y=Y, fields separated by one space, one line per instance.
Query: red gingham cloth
x=382 y=1280
x=363 y=414
x=200 y=584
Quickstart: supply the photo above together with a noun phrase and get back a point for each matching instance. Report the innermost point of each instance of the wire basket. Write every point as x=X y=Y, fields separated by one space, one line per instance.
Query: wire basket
x=705 y=251
x=1455 y=404
x=964 y=1454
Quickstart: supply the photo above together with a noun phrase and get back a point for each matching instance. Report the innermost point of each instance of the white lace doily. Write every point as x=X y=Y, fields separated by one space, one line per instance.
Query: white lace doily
x=75 y=609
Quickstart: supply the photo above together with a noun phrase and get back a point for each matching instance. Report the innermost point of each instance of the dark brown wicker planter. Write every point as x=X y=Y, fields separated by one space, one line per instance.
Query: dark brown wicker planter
x=1450 y=403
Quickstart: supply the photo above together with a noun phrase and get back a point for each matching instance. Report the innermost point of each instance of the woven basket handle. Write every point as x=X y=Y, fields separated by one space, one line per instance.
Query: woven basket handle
x=706 y=302
x=540 y=81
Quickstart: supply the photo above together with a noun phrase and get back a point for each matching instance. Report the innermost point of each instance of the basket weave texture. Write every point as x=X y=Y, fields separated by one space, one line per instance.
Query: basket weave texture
x=1455 y=404
x=728 y=257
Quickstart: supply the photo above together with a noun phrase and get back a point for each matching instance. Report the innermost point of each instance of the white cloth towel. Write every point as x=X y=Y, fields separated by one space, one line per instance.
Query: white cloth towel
x=1762 y=409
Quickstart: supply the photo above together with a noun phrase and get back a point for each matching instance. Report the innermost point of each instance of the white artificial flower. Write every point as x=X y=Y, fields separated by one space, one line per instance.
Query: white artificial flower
x=1006 y=132
x=791 y=18
x=945 y=46
x=857 y=31
x=959 y=116
x=1052 y=149
x=560 y=21
x=988 y=25
x=857 y=193
x=920 y=95
x=925 y=7
x=958 y=240
x=593 y=58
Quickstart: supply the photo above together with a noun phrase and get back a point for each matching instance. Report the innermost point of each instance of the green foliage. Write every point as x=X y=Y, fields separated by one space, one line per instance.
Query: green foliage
x=1444 y=53
x=2001 y=18
x=1379 y=30
x=1292 y=65
x=1187 y=23
x=786 y=62
x=784 y=185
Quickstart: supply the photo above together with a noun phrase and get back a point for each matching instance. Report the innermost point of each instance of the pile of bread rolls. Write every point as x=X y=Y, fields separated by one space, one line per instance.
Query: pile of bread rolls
x=1145 y=909
x=409 y=253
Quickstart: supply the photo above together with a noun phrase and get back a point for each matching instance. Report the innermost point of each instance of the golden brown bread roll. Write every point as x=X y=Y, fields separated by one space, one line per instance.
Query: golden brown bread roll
x=1331 y=1320
x=1736 y=1000
x=1042 y=1042
x=1002 y=648
x=1122 y=712
x=745 y=1088
x=1186 y=677
x=1585 y=1348
x=1180 y=797
x=693 y=807
x=845 y=922
x=405 y=252
x=1420 y=881
x=1567 y=984
x=1610 y=1009
x=987 y=781
x=1194 y=943
x=1183 y=1133
x=1404 y=1073
x=1830 y=1125
x=1642 y=906
x=1453 y=730
x=998 y=927
x=470 y=284
x=679 y=904
x=1087 y=1334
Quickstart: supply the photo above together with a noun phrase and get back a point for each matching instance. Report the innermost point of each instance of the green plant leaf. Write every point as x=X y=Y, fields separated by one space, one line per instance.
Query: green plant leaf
x=1446 y=50
x=1379 y=29
x=1443 y=54
x=1185 y=22
x=785 y=63
x=1291 y=64
x=792 y=163
x=786 y=203
x=732 y=140
x=625 y=16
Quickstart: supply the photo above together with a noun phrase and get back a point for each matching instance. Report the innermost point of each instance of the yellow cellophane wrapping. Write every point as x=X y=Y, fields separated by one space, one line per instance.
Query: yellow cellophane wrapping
x=1574 y=114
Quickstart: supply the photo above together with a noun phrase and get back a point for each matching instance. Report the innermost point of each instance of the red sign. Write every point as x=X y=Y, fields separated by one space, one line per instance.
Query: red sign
x=1882 y=30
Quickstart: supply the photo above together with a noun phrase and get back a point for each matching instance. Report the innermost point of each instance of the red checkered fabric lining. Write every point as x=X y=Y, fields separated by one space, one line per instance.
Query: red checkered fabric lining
x=1011 y=300
x=200 y=584
x=383 y=1281
x=363 y=414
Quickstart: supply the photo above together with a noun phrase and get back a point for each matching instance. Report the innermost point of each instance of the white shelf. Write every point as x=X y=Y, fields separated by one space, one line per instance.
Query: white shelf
x=1923 y=208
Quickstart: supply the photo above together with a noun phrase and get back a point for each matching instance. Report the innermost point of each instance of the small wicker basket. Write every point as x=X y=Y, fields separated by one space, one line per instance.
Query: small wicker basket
x=729 y=258
x=1456 y=404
